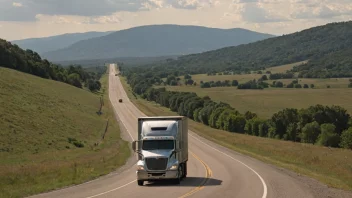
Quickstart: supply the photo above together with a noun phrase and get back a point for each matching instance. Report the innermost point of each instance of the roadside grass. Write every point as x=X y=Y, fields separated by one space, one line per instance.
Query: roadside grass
x=269 y=101
x=328 y=165
x=39 y=118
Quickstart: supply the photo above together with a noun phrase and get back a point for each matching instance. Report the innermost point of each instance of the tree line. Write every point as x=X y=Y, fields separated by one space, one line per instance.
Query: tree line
x=322 y=125
x=28 y=61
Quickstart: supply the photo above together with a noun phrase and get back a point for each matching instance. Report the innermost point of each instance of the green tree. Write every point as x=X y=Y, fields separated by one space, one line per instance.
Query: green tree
x=234 y=83
x=310 y=132
x=328 y=137
x=264 y=77
x=346 y=139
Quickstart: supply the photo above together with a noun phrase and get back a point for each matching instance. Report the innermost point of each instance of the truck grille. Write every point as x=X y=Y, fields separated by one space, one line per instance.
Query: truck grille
x=156 y=163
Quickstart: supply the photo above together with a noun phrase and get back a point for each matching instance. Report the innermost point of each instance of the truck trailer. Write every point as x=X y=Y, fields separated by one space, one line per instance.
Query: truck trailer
x=162 y=148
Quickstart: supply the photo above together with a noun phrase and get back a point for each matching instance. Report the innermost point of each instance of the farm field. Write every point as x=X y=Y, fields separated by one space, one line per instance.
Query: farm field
x=241 y=78
x=269 y=101
x=51 y=135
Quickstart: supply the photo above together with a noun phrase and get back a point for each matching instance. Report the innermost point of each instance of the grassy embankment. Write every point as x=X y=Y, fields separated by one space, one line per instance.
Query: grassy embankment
x=330 y=166
x=39 y=121
x=271 y=100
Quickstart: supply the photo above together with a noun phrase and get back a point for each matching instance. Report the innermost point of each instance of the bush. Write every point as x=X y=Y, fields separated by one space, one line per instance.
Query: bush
x=310 y=132
x=346 y=139
x=328 y=137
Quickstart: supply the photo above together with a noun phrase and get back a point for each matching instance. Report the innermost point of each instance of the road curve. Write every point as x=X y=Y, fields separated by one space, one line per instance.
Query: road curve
x=214 y=171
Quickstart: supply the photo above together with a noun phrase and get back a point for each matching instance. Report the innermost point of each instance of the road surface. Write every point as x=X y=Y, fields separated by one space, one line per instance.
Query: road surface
x=213 y=171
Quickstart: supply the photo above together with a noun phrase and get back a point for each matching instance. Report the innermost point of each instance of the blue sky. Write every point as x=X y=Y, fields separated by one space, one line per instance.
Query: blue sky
x=38 y=18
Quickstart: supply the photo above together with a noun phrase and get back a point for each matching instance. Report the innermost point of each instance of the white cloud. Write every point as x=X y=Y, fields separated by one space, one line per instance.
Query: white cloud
x=15 y=4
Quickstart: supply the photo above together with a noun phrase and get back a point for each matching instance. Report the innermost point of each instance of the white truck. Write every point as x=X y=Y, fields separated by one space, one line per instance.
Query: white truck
x=162 y=148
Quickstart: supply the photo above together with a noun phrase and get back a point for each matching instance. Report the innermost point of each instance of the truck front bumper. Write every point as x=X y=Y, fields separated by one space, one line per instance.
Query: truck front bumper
x=145 y=175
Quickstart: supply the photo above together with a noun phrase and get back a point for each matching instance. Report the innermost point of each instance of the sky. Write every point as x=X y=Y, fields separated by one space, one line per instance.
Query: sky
x=20 y=19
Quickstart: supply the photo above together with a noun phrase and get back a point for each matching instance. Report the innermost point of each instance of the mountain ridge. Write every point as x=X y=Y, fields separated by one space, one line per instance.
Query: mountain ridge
x=50 y=43
x=162 y=40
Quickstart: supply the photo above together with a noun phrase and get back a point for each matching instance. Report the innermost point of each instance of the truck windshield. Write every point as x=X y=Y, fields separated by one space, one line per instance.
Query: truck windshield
x=158 y=144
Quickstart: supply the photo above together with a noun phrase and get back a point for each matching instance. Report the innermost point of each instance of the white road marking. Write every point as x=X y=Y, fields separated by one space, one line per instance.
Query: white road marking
x=112 y=189
x=261 y=179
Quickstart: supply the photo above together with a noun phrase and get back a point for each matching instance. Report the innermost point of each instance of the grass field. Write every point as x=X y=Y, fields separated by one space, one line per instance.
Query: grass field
x=269 y=101
x=38 y=116
x=319 y=83
x=243 y=77
x=283 y=68
x=330 y=166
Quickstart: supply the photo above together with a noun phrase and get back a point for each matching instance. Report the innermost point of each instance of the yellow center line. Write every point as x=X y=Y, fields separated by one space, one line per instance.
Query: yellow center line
x=208 y=174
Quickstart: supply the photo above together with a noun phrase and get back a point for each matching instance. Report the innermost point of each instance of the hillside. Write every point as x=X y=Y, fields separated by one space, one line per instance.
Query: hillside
x=29 y=61
x=312 y=44
x=155 y=40
x=49 y=130
x=51 y=43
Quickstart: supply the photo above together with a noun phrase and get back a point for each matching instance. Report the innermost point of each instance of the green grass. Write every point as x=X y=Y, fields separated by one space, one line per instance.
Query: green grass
x=37 y=118
x=330 y=166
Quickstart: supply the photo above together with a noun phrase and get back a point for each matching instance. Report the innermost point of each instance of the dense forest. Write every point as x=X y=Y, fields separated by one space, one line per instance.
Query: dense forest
x=321 y=125
x=28 y=61
x=328 y=49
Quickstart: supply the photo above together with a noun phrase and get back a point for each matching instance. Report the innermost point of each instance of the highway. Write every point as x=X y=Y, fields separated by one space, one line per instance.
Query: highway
x=213 y=171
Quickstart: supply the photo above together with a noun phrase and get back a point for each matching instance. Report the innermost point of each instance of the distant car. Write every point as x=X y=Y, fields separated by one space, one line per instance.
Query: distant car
x=120 y=100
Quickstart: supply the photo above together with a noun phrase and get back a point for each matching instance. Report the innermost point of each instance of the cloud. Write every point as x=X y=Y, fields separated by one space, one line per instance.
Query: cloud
x=321 y=9
x=92 y=8
x=254 y=13
x=15 y=4
x=180 y=4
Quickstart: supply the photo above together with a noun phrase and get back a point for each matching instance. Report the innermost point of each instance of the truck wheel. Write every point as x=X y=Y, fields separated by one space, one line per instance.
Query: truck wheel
x=184 y=170
x=140 y=182
x=180 y=175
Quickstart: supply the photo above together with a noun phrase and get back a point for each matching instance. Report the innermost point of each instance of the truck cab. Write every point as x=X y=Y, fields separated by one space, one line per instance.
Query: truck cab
x=162 y=148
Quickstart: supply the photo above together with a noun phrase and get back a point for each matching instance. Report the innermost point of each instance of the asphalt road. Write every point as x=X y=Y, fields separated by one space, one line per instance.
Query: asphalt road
x=213 y=171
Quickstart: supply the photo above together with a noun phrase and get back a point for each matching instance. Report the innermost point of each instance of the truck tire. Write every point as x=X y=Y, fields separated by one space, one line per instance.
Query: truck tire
x=180 y=175
x=140 y=182
x=185 y=170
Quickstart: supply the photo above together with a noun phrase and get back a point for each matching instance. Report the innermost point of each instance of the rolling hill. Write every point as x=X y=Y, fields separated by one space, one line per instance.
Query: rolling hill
x=51 y=43
x=155 y=40
x=333 y=40
x=50 y=127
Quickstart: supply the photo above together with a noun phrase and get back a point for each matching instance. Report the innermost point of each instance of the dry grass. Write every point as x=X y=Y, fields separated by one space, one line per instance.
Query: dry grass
x=243 y=77
x=330 y=166
x=283 y=68
x=37 y=118
x=318 y=83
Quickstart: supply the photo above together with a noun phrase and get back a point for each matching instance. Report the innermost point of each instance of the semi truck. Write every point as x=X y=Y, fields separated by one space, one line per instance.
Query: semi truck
x=162 y=148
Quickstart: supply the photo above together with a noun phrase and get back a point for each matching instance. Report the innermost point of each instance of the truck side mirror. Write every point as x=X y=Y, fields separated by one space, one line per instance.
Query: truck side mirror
x=134 y=144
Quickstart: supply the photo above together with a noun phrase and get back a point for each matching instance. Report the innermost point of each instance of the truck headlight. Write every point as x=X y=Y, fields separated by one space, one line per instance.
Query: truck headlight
x=173 y=167
x=140 y=167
